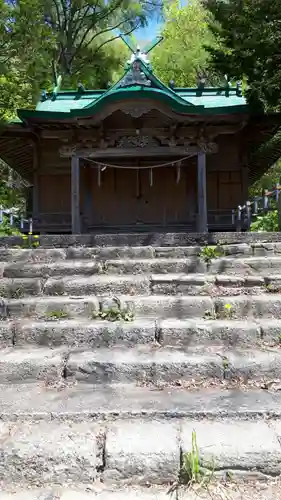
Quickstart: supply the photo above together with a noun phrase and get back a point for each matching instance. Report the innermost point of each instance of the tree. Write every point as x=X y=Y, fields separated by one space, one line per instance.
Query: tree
x=76 y=31
x=182 y=57
x=81 y=38
x=249 y=34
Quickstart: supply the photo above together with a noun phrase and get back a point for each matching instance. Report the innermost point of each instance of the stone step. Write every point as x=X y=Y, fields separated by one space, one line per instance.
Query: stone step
x=12 y=256
x=267 y=305
x=258 y=490
x=155 y=239
x=44 y=452
x=157 y=284
x=40 y=453
x=81 y=433
x=246 y=266
x=81 y=402
x=170 y=332
x=144 y=364
x=17 y=365
x=154 y=365
x=49 y=255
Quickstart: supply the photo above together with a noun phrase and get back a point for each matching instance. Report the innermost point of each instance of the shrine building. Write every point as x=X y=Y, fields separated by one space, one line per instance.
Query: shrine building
x=140 y=155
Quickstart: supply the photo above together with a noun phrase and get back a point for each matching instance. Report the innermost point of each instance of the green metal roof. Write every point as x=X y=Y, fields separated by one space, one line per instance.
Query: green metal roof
x=138 y=82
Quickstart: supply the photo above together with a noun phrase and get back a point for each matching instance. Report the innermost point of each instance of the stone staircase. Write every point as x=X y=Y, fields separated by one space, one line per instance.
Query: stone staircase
x=114 y=349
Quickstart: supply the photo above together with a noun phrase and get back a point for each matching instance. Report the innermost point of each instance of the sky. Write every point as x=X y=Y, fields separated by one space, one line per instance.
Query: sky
x=152 y=29
x=149 y=32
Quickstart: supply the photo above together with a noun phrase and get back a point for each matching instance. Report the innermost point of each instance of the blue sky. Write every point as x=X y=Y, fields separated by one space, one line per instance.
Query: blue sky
x=152 y=29
x=149 y=32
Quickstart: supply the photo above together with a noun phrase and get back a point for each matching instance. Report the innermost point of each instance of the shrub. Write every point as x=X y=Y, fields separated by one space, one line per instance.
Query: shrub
x=266 y=223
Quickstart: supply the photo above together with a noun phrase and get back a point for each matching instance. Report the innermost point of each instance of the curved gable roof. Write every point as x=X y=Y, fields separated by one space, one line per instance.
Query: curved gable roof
x=138 y=82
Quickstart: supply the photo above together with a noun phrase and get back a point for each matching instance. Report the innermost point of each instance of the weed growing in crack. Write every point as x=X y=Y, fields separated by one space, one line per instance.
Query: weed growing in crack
x=272 y=288
x=191 y=471
x=17 y=293
x=57 y=314
x=102 y=267
x=114 y=313
x=30 y=241
x=210 y=314
x=225 y=363
x=228 y=311
x=209 y=253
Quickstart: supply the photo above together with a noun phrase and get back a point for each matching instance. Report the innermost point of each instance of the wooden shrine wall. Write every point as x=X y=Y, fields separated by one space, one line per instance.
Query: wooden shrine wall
x=125 y=198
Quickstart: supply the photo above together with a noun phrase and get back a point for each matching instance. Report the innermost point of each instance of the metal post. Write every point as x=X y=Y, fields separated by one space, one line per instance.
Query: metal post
x=75 y=195
x=248 y=214
x=279 y=206
x=202 y=193
x=239 y=219
x=265 y=201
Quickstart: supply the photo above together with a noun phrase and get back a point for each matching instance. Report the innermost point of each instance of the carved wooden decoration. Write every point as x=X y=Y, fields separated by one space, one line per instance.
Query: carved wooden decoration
x=135 y=77
x=207 y=147
x=136 y=111
x=136 y=141
x=67 y=150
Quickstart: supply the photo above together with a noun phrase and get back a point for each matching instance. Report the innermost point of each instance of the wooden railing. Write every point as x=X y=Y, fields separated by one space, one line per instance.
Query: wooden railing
x=239 y=219
x=16 y=220
x=268 y=201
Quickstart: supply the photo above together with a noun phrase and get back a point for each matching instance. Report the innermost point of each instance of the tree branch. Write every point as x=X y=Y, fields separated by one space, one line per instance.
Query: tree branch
x=108 y=41
x=106 y=30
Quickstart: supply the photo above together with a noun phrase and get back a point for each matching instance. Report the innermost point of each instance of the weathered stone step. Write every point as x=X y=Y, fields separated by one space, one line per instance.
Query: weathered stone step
x=44 y=452
x=83 y=402
x=142 y=364
x=152 y=365
x=157 y=284
x=173 y=332
x=155 y=239
x=66 y=453
x=47 y=255
x=17 y=365
x=265 y=305
x=258 y=490
x=246 y=266
x=118 y=266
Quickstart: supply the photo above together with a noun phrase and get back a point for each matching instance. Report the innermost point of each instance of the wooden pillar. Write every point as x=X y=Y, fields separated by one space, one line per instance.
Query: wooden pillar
x=35 y=190
x=35 y=196
x=75 y=195
x=202 y=222
x=87 y=188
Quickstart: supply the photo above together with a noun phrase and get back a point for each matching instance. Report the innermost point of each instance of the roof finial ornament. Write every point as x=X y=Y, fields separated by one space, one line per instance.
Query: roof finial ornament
x=138 y=66
x=137 y=53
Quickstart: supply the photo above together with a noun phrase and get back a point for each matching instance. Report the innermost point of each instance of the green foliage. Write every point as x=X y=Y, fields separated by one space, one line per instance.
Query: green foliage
x=80 y=38
x=249 y=35
x=7 y=230
x=57 y=314
x=267 y=181
x=191 y=470
x=115 y=315
x=115 y=312
x=181 y=57
x=211 y=252
x=267 y=222
x=75 y=35
x=30 y=241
